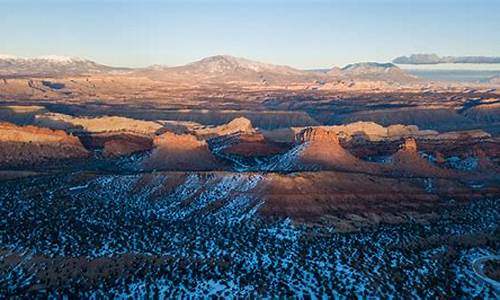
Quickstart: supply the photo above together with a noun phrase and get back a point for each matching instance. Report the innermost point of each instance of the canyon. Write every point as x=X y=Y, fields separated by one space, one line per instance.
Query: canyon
x=228 y=176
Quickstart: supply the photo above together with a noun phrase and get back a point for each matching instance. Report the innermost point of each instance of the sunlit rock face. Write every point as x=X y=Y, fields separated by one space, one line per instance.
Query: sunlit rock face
x=240 y=124
x=28 y=145
x=181 y=152
x=316 y=135
x=237 y=125
x=319 y=149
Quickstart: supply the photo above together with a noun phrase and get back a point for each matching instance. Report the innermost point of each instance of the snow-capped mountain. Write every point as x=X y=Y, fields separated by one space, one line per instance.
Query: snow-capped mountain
x=49 y=65
x=225 y=68
x=369 y=67
x=219 y=69
x=373 y=71
x=227 y=63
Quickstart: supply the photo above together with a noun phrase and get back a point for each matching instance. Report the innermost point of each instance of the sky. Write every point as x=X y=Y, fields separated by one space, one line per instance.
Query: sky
x=302 y=34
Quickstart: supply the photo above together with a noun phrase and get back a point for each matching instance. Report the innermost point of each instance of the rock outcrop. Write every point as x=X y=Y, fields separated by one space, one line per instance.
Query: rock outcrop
x=116 y=136
x=181 y=152
x=371 y=131
x=408 y=162
x=409 y=146
x=319 y=149
x=317 y=135
x=237 y=125
x=30 y=145
x=97 y=124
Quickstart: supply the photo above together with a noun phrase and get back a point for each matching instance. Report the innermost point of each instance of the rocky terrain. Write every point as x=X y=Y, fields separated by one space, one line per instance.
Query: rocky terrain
x=233 y=178
x=29 y=145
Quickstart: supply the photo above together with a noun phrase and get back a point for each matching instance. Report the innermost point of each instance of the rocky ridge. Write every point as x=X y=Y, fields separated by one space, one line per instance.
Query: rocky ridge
x=30 y=145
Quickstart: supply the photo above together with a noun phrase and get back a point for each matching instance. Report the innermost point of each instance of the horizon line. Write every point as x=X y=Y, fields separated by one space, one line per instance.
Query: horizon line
x=448 y=66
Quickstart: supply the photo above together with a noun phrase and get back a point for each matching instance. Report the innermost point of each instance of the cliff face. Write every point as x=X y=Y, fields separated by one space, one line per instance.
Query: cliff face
x=181 y=152
x=30 y=145
x=319 y=149
x=97 y=124
x=237 y=125
x=407 y=161
x=317 y=135
x=33 y=134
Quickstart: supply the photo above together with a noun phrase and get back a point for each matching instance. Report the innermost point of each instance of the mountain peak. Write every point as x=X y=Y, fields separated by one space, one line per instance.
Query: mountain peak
x=375 y=71
x=369 y=67
x=220 y=57
x=50 y=58
x=48 y=65
x=60 y=59
x=240 y=63
x=223 y=63
x=227 y=68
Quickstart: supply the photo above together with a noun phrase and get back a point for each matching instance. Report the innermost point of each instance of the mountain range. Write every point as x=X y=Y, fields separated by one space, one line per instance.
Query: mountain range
x=214 y=69
x=50 y=65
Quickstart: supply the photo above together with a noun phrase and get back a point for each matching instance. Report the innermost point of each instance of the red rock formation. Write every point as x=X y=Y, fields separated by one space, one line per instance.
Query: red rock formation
x=318 y=135
x=237 y=125
x=181 y=152
x=240 y=124
x=28 y=145
x=407 y=161
x=322 y=151
x=409 y=146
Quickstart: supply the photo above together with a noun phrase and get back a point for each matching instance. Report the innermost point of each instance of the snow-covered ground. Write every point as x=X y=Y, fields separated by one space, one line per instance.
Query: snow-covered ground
x=200 y=234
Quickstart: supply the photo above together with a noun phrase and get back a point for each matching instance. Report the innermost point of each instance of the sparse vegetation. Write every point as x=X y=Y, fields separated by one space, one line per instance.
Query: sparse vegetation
x=119 y=235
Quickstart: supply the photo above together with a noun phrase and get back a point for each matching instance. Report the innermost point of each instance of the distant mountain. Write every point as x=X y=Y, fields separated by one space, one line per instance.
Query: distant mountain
x=426 y=59
x=369 y=67
x=219 y=69
x=222 y=64
x=372 y=71
x=230 y=69
x=225 y=69
x=50 y=65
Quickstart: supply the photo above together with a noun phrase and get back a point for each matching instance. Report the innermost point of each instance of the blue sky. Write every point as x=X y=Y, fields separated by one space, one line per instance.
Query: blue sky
x=304 y=34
